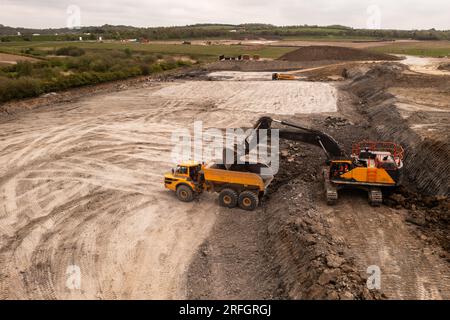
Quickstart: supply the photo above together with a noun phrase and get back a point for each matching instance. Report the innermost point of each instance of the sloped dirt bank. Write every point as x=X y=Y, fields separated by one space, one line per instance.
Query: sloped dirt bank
x=426 y=182
x=427 y=166
x=313 y=262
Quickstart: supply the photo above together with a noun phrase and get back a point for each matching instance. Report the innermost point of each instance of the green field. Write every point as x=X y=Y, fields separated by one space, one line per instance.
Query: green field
x=196 y=51
x=426 y=48
x=209 y=53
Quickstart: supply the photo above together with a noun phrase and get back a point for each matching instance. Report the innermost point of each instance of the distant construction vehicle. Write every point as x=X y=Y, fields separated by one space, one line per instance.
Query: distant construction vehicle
x=283 y=76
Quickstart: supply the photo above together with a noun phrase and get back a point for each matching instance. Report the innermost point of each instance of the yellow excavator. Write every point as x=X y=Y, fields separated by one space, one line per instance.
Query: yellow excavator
x=371 y=167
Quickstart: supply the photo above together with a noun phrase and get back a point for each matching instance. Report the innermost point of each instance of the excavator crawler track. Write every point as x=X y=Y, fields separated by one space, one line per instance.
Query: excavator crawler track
x=375 y=197
x=331 y=191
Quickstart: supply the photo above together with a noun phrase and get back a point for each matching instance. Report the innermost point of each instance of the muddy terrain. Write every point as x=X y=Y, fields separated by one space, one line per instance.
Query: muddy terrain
x=81 y=185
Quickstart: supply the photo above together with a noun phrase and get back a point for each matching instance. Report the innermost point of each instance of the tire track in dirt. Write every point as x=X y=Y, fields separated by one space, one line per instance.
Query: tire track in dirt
x=380 y=236
x=81 y=185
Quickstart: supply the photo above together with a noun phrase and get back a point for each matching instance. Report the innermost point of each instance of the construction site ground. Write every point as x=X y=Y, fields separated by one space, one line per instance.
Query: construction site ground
x=81 y=184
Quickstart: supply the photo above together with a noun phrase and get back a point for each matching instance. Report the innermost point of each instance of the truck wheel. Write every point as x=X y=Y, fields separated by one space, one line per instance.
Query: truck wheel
x=185 y=193
x=248 y=200
x=228 y=198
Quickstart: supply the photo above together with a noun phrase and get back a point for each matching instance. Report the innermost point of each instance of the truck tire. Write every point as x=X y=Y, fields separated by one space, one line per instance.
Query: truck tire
x=228 y=198
x=248 y=200
x=185 y=193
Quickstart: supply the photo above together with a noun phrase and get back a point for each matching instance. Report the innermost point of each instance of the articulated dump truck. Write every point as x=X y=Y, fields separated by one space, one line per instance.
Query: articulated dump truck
x=235 y=188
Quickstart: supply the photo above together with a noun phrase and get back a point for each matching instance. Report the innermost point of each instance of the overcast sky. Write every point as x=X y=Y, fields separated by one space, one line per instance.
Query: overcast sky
x=398 y=14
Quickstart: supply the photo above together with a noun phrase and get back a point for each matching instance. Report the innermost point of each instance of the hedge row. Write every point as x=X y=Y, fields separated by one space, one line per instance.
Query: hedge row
x=27 y=86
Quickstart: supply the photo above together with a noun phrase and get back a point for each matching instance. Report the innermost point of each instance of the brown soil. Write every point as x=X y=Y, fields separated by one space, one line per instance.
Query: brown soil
x=321 y=53
x=6 y=58
x=444 y=67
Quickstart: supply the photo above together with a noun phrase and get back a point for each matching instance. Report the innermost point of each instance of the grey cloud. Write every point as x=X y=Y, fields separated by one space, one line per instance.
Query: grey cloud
x=401 y=14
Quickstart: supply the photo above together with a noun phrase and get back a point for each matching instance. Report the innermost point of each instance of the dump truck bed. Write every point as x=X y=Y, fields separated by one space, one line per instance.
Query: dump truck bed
x=222 y=176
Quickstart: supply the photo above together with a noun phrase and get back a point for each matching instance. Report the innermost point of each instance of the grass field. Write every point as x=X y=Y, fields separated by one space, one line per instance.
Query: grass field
x=424 y=48
x=198 y=51
x=208 y=53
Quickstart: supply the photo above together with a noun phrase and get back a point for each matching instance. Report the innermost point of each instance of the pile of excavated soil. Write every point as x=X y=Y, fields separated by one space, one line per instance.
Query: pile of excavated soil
x=431 y=213
x=320 y=53
x=263 y=65
x=444 y=67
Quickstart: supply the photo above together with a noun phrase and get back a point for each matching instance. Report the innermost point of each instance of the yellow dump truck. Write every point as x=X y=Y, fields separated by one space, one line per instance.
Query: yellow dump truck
x=283 y=76
x=235 y=188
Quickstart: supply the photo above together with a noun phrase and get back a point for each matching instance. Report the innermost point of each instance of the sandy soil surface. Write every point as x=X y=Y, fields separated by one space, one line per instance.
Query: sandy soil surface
x=426 y=65
x=240 y=75
x=81 y=185
x=13 y=59
x=256 y=97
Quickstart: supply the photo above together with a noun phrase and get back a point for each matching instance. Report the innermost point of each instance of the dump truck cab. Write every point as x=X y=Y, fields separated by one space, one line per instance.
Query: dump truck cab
x=185 y=180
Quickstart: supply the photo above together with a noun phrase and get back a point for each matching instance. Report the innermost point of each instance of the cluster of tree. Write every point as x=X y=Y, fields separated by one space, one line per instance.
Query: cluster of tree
x=214 y=31
x=78 y=68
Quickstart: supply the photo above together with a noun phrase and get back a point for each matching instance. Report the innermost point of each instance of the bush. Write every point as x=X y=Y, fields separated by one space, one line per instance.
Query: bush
x=27 y=79
x=183 y=63
x=19 y=88
x=128 y=52
x=156 y=68
x=70 y=51
x=149 y=59
x=168 y=65
x=99 y=65
x=27 y=50
x=145 y=69
x=24 y=68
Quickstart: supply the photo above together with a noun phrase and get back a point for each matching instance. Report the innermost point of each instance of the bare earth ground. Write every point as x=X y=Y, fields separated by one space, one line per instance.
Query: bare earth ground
x=380 y=236
x=82 y=185
x=6 y=58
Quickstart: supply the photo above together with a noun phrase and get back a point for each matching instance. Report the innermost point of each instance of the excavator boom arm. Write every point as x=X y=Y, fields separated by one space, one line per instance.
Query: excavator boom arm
x=301 y=134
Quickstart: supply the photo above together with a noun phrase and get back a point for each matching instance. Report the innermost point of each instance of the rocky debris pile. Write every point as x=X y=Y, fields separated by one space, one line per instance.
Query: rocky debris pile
x=336 y=122
x=445 y=66
x=319 y=53
x=430 y=213
x=312 y=263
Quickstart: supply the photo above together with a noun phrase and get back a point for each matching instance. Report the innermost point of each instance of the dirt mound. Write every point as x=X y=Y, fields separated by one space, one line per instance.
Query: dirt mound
x=319 y=53
x=430 y=213
x=445 y=66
